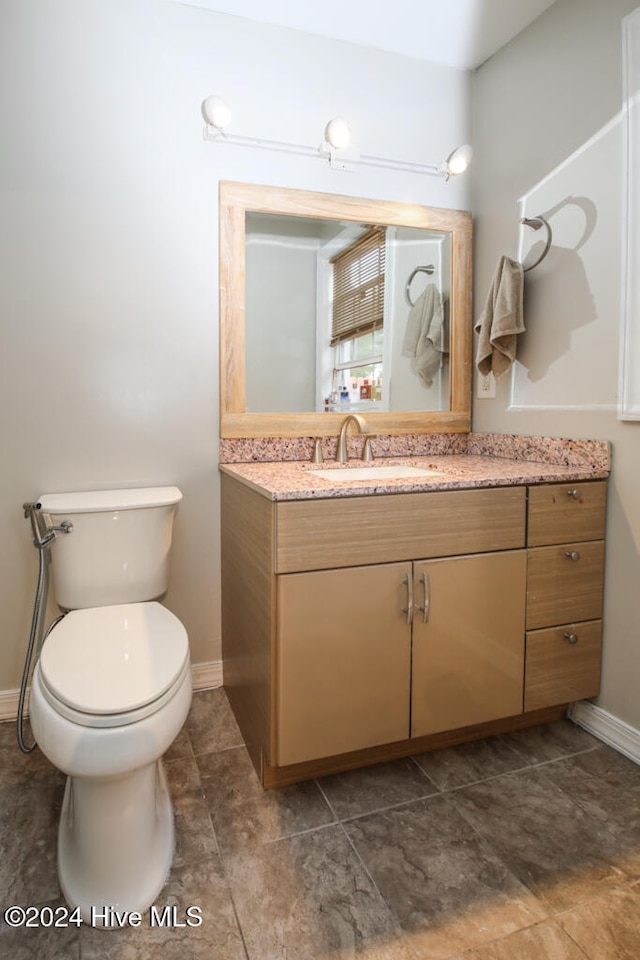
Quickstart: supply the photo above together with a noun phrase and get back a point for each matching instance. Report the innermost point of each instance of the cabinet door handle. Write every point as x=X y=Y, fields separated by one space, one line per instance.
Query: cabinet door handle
x=426 y=582
x=573 y=494
x=572 y=555
x=409 y=607
x=571 y=637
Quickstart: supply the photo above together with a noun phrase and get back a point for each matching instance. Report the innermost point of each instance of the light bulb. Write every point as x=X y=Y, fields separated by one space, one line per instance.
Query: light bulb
x=337 y=133
x=459 y=160
x=216 y=112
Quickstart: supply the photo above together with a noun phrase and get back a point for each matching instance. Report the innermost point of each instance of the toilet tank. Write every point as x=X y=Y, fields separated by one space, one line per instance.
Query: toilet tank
x=118 y=549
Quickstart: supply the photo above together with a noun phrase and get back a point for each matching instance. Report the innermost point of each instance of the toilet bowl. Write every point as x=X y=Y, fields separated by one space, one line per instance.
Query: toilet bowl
x=110 y=692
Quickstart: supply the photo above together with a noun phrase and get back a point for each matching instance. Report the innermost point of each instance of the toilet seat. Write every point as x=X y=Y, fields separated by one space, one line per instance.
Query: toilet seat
x=110 y=666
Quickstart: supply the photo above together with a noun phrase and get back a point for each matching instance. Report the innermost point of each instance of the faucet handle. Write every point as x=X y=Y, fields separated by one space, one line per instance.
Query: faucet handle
x=367 y=452
x=316 y=456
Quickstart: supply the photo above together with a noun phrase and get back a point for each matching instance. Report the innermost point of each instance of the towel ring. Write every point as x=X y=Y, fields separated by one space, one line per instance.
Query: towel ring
x=535 y=223
x=429 y=268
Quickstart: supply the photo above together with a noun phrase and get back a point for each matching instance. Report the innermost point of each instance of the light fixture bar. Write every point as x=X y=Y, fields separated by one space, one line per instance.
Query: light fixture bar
x=343 y=157
x=281 y=146
x=411 y=166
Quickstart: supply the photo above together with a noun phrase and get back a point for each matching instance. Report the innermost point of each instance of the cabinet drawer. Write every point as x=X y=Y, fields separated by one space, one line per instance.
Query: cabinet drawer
x=566 y=512
x=562 y=589
x=319 y=534
x=558 y=671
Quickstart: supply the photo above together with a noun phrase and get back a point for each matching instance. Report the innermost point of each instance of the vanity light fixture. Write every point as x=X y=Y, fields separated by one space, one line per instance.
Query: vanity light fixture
x=336 y=146
x=337 y=133
x=457 y=162
x=216 y=113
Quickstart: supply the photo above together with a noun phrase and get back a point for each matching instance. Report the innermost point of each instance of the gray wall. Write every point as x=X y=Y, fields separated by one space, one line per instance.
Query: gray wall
x=548 y=140
x=108 y=243
x=280 y=325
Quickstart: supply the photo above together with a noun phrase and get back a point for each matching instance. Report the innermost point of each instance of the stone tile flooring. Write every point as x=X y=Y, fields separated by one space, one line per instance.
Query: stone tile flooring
x=520 y=847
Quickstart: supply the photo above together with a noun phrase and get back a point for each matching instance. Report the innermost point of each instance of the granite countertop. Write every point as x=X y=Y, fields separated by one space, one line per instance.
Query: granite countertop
x=293 y=480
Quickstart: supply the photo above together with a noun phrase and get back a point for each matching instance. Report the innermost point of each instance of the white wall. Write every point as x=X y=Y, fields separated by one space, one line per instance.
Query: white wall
x=280 y=324
x=548 y=140
x=108 y=227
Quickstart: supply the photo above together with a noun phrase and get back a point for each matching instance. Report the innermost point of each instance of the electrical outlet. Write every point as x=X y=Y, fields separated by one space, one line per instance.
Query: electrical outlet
x=486 y=386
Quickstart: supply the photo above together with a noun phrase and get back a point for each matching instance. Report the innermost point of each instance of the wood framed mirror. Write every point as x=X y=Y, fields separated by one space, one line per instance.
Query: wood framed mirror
x=291 y=211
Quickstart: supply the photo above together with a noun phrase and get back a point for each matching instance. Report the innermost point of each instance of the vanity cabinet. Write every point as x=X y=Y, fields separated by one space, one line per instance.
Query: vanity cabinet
x=357 y=629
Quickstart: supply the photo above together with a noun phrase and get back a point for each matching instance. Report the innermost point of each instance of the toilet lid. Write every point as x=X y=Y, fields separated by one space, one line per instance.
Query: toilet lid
x=112 y=660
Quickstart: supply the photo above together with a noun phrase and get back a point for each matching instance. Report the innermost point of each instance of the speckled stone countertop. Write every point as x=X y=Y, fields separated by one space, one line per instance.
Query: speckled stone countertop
x=495 y=464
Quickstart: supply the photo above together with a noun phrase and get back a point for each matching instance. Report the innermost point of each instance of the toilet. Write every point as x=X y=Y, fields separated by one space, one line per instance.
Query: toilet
x=109 y=694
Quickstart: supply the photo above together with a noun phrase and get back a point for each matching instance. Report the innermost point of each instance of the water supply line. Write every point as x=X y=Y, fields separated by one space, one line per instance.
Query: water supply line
x=43 y=536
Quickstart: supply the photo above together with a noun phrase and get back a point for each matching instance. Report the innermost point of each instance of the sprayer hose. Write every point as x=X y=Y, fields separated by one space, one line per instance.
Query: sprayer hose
x=35 y=621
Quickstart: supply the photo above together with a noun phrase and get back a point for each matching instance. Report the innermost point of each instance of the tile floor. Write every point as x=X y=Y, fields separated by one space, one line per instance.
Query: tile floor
x=520 y=847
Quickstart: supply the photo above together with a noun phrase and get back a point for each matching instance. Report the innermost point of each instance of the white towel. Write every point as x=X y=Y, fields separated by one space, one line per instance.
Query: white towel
x=501 y=320
x=425 y=339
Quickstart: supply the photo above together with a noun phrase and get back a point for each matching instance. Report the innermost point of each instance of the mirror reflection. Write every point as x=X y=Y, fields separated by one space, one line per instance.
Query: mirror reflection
x=332 y=304
x=345 y=317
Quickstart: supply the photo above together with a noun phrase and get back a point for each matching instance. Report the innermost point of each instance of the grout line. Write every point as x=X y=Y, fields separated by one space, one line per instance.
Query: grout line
x=392 y=915
x=509 y=773
x=437 y=792
x=513 y=933
x=425 y=774
x=580 y=948
x=327 y=801
x=497 y=855
x=207 y=753
x=399 y=930
x=299 y=833
x=221 y=858
x=391 y=806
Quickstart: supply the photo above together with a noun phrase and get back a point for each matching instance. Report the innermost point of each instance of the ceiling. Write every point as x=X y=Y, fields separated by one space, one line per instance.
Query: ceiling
x=456 y=33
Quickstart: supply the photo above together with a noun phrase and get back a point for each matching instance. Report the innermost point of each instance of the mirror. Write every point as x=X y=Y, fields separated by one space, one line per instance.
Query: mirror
x=290 y=364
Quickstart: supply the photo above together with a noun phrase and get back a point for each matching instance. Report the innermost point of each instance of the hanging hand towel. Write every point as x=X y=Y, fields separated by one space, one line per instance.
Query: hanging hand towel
x=501 y=320
x=425 y=339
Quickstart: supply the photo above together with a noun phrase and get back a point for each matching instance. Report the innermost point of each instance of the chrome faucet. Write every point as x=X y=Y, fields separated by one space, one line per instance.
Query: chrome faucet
x=363 y=427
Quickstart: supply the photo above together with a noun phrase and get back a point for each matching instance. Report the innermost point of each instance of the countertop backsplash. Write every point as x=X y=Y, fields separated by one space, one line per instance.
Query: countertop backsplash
x=454 y=462
x=593 y=454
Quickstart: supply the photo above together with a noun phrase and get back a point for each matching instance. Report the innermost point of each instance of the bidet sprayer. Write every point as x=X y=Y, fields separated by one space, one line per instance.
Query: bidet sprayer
x=42 y=534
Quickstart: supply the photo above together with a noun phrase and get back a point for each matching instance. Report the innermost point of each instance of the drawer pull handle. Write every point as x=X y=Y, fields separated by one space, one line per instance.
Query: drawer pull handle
x=426 y=583
x=409 y=607
x=572 y=555
x=571 y=637
x=573 y=494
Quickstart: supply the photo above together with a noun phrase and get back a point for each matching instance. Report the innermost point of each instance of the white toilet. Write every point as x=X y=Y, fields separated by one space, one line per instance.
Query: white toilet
x=110 y=692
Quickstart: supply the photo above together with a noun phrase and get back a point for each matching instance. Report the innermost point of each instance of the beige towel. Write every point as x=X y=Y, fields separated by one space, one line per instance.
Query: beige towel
x=425 y=339
x=501 y=320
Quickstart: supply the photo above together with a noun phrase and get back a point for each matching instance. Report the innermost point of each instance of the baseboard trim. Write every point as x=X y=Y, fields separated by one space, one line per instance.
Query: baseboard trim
x=207 y=675
x=603 y=725
x=9 y=704
x=204 y=676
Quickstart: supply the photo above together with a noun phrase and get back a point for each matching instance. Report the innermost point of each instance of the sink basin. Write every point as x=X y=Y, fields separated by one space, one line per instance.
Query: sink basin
x=396 y=471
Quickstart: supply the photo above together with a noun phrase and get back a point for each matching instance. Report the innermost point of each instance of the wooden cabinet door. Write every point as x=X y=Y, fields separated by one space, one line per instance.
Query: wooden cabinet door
x=343 y=660
x=468 y=657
